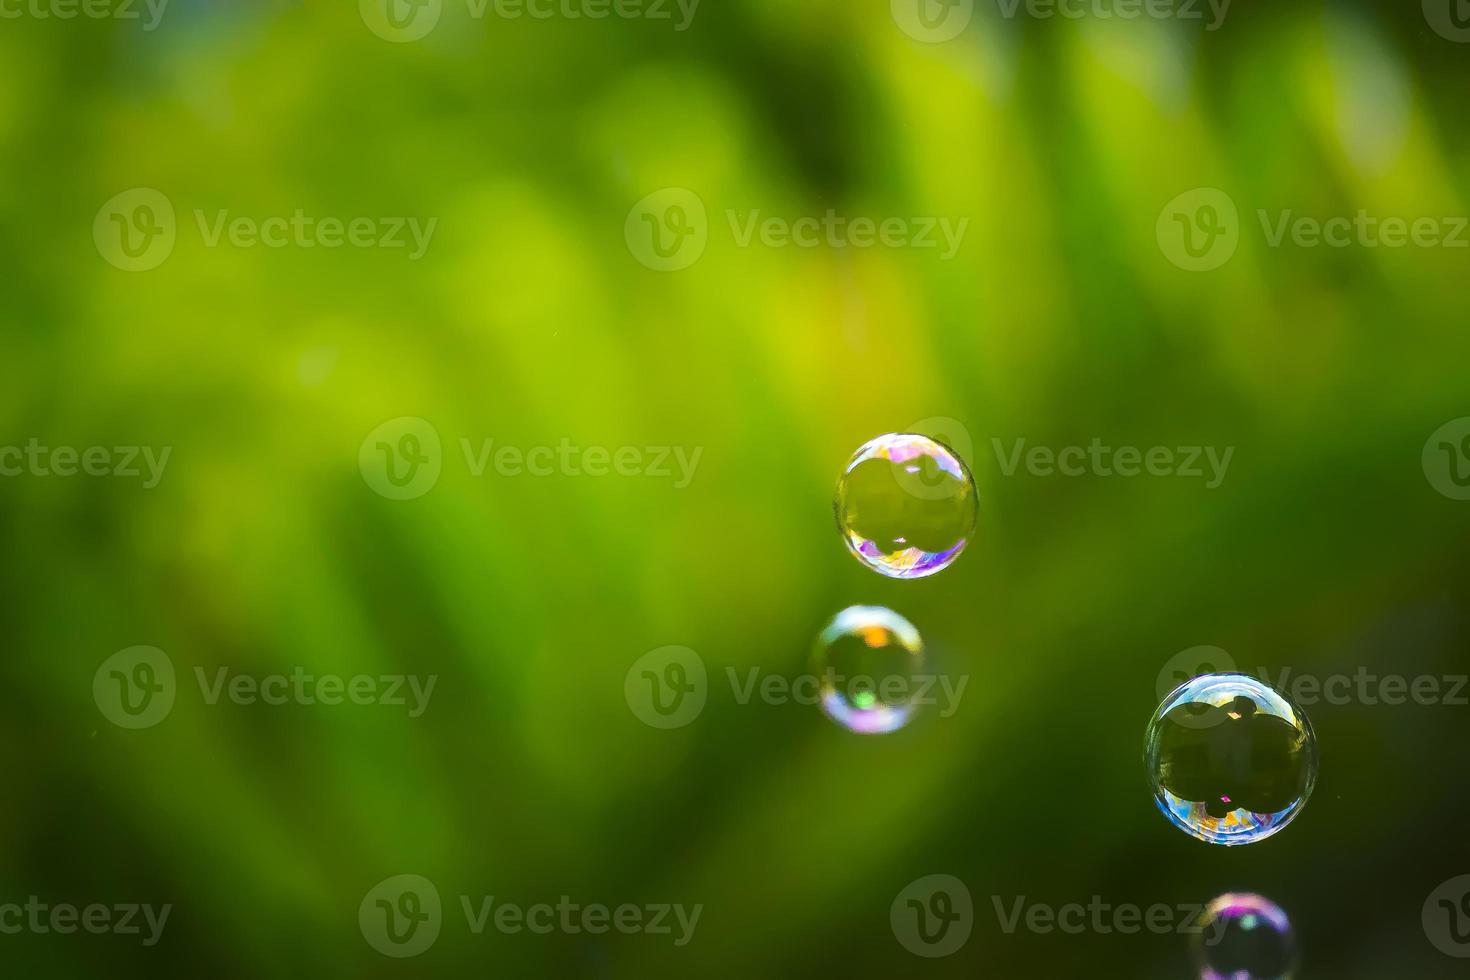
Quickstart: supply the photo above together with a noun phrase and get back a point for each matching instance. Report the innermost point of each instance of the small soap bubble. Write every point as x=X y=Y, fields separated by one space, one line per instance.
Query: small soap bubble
x=867 y=663
x=1230 y=759
x=906 y=506
x=1244 y=937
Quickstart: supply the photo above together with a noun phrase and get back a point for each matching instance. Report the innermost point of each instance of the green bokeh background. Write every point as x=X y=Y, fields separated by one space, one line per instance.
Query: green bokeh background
x=529 y=321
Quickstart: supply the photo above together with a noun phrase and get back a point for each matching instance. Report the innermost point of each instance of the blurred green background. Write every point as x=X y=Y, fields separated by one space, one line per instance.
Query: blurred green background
x=530 y=320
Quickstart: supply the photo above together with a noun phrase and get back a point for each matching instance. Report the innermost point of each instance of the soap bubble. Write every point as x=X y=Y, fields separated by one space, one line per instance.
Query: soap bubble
x=1244 y=937
x=867 y=662
x=1231 y=760
x=906 y=506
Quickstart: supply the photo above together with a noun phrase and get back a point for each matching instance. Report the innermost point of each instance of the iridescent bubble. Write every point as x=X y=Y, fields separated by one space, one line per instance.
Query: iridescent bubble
x=1244 y=937
x=867 y=662
x=906 y=505
x=1231 y=760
